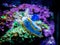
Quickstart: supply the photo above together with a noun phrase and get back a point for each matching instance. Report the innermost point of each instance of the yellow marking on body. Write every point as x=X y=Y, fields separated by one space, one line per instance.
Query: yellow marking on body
x=32 y=33
x=32 y=25
x=29 y=19
x=28 y=30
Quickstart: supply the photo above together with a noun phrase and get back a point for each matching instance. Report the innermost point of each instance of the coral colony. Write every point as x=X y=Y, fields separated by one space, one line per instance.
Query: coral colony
x=28 y=21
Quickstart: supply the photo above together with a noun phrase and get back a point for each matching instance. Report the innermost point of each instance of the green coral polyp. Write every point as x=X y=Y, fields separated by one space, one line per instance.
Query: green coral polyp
x=3 y=17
